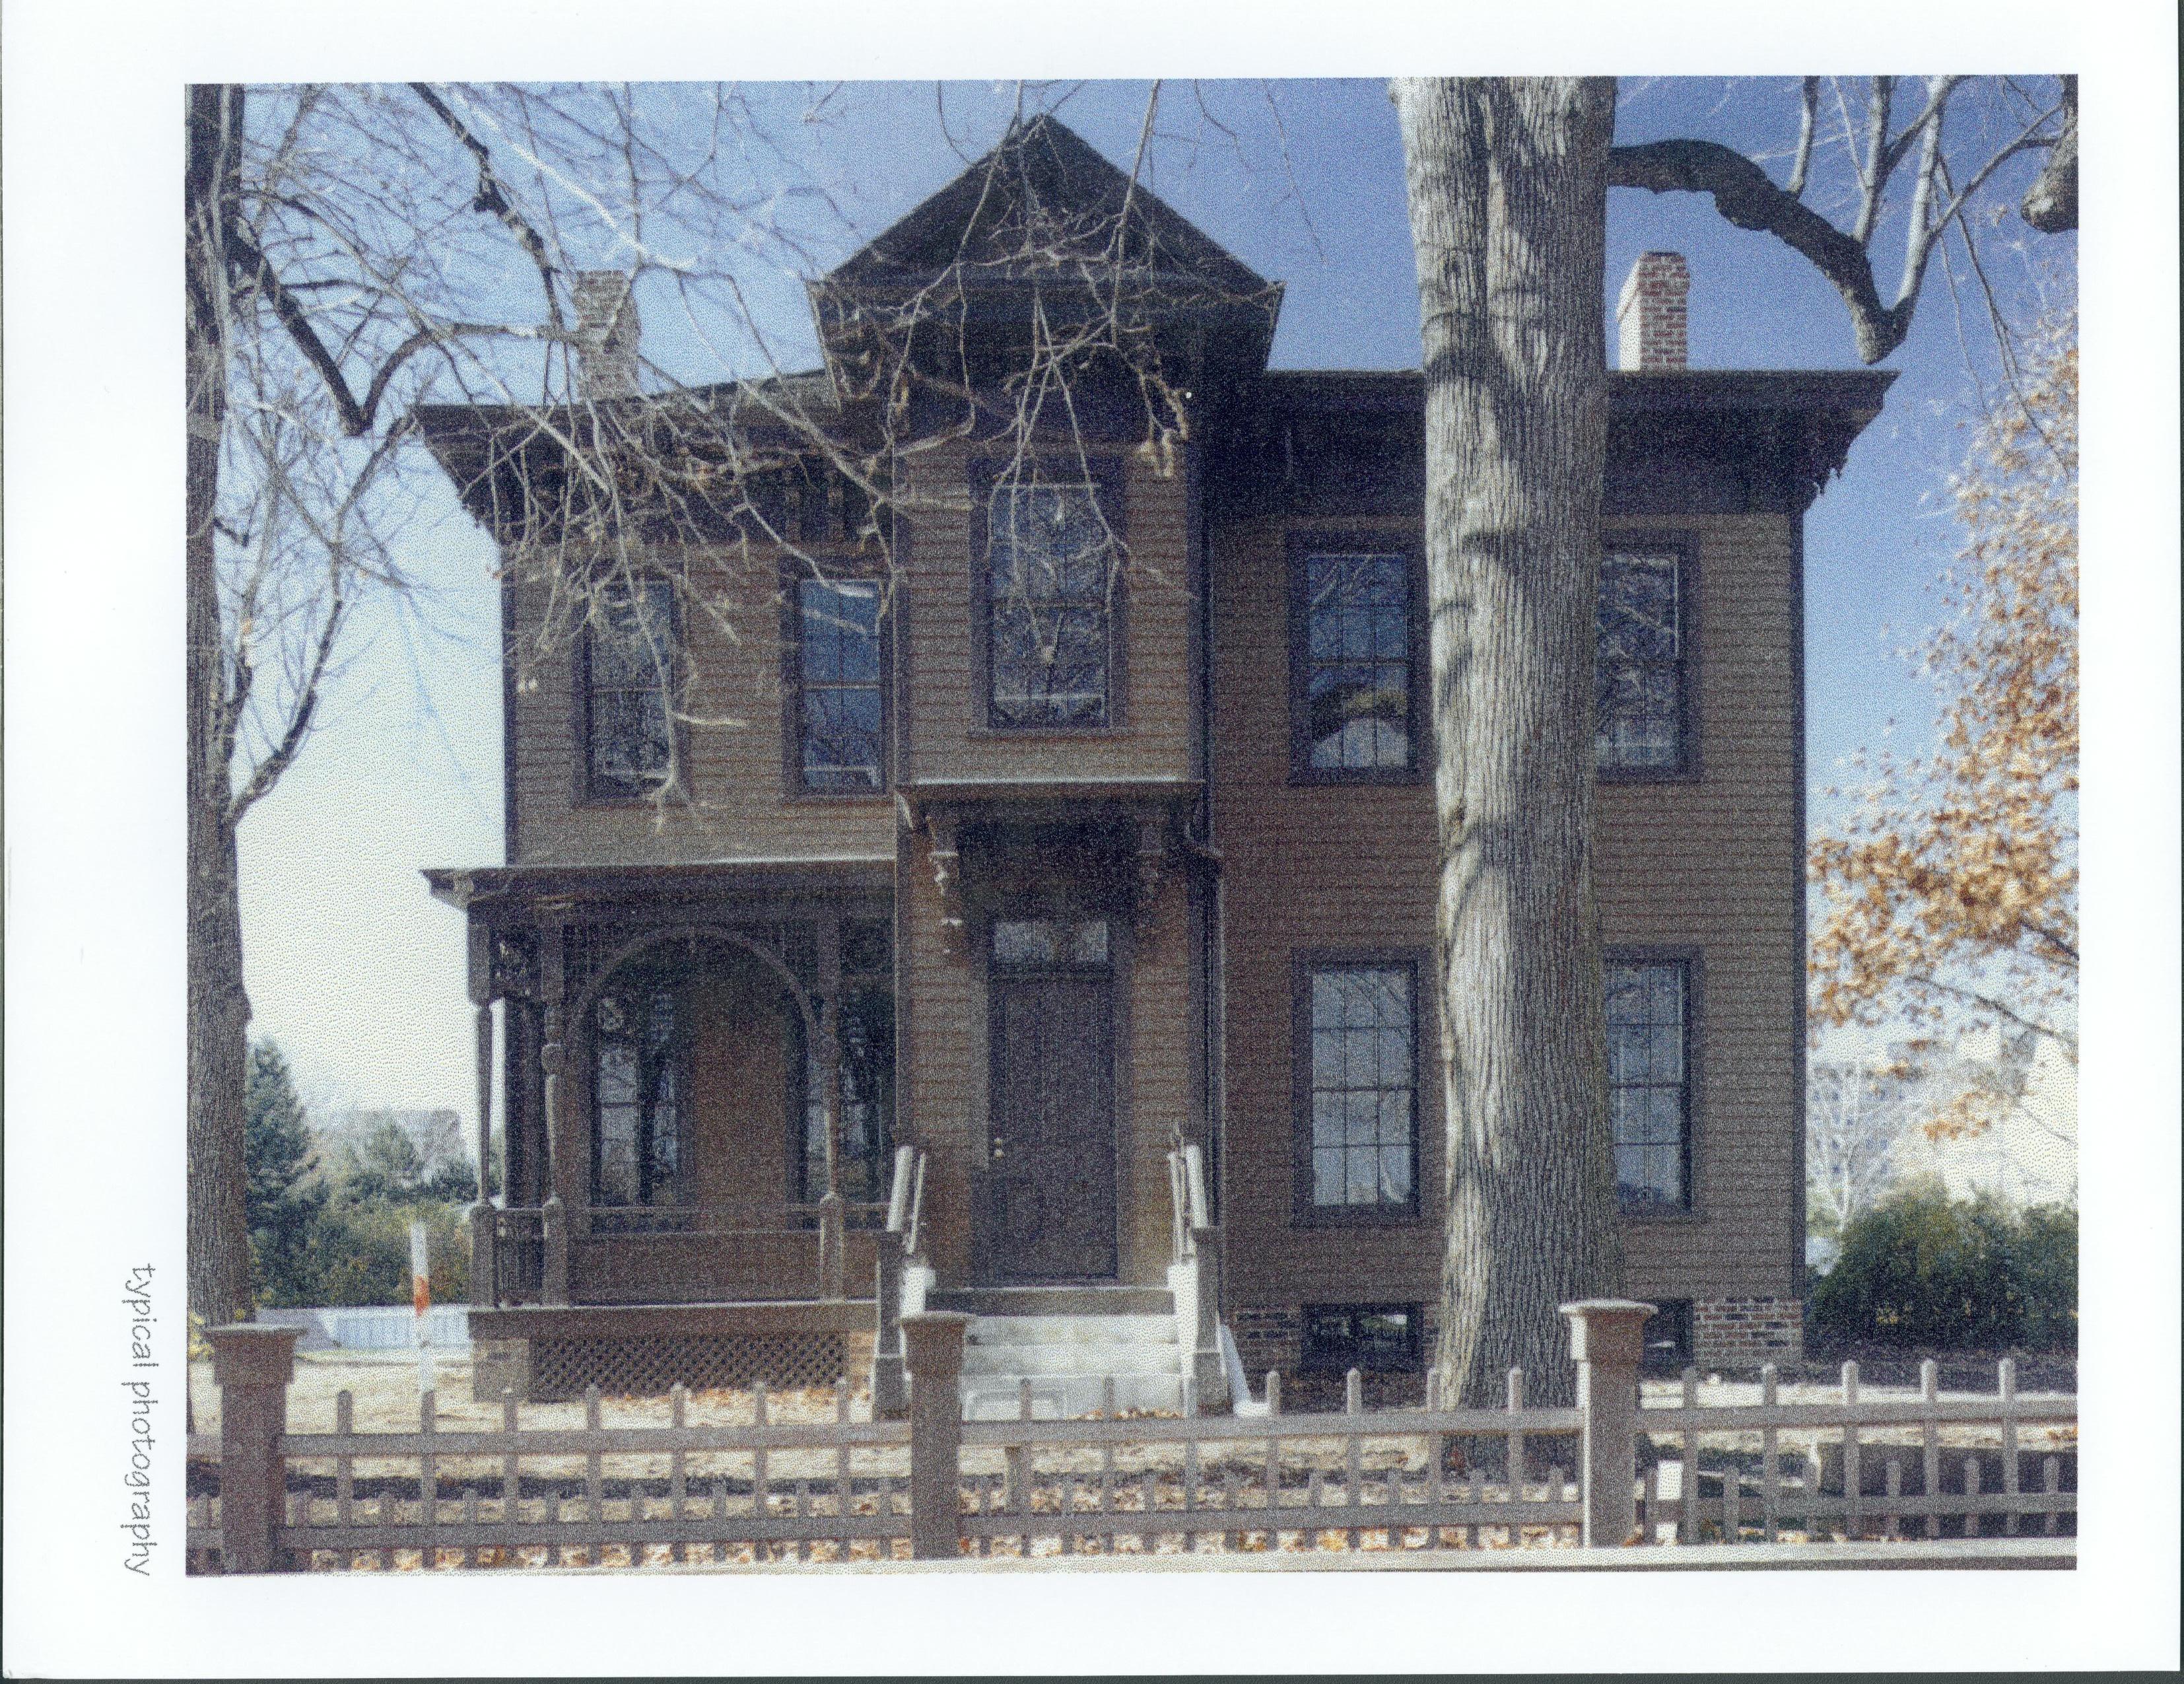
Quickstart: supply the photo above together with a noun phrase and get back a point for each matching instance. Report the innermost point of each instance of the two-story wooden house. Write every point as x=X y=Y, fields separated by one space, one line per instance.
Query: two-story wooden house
x=1020 y=896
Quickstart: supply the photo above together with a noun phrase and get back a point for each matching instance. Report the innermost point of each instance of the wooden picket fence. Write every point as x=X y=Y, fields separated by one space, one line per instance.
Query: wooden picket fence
x=1759 y=1498
x=849 y=1491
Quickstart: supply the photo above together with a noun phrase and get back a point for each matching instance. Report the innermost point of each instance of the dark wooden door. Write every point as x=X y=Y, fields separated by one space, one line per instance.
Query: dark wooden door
x=1051 y=1145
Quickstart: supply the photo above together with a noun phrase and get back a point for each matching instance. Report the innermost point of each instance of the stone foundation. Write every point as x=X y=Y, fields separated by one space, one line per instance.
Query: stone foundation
x=1744 y=1333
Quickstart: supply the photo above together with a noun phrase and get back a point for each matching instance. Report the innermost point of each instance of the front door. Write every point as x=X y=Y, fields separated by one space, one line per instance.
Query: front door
x=1050 y=1142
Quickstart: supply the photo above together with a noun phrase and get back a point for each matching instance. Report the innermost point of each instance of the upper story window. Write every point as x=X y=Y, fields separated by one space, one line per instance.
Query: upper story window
x=631 y=663
x=1359 y=1083
x=1353 y=679
x=838 y=711
x=1050 y=582
x=1649 y=1082
x=1641 y=685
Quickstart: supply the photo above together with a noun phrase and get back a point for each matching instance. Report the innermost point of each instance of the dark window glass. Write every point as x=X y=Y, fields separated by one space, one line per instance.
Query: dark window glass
x=1045 y=943
x=1363 y=1087
x=868 y=947
x=1639 y=680
x=630 y=662
x=1381 y=1337
x=1356 y=680
x=1050 y=577
x=638 y=1096
x=865 y=1023
x=839 y=710
x=1668 y=1336
x=1648 y=1084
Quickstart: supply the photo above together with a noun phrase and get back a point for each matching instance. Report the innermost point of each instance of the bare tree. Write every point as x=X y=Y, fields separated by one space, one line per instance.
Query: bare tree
x=357 y=255
x=1507 y=183
x=1856 y=1113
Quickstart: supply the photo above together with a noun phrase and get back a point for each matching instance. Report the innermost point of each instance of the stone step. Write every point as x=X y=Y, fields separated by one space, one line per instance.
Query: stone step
x=1058 y=1396
x=1113 y=1330
x=1053 y=1301
x=1071 y=1359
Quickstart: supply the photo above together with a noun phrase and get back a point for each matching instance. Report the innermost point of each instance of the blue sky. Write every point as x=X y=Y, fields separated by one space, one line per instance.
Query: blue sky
x=359 y=974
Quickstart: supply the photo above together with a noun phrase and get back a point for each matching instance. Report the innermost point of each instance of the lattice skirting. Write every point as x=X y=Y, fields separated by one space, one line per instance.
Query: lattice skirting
x=652 y=1364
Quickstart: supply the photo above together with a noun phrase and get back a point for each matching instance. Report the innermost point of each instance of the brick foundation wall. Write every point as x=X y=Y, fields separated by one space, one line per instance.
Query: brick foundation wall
x=1744 y=1333
x=1269 y=1336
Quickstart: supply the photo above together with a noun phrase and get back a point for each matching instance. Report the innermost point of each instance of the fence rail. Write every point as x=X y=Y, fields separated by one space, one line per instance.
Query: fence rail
x=934 y=1485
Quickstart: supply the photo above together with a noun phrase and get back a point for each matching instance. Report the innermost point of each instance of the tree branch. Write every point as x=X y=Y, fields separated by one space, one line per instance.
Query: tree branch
x=1807 y=121
x=1747 y=199
x=492 y=199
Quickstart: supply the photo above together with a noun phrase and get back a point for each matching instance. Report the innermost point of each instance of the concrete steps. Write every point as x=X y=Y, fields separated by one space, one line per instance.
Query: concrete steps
x=1068 y=1343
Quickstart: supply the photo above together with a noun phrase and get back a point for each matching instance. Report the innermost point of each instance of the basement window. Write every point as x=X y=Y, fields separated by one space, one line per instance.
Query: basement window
x=1375 y=1338
x=1668 y=1337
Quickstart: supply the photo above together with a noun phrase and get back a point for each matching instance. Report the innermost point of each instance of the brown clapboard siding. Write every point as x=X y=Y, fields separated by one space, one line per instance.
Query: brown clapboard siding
x=1711 y=863
x=949 y=738
x=737 y=803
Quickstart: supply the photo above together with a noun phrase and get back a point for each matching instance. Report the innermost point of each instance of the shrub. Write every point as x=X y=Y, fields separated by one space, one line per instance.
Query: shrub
x=1923 y=1269
x=360 y=1254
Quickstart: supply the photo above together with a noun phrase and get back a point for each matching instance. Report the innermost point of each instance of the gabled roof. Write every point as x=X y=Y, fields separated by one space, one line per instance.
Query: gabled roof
x=1044 y=186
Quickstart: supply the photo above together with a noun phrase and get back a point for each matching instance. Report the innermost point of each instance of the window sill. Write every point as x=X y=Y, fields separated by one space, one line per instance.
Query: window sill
x=1407 y=1217
x=797 y=796
x=672 y=798
x=1646 y=774
x=1027 y=734
x=1350 y=780
x=1664 y=1216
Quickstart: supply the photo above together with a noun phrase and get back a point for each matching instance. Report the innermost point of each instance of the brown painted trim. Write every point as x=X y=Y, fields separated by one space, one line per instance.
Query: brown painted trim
x=1303 y=962
x=1105 y=474
x=1800 y=1029
x=509 y=833
x=1690 y=764
x=1302 y=543
x=1692 y=958
x=825 y=569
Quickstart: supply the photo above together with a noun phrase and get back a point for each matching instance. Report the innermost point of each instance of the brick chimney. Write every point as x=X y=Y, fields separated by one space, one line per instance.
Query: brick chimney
x=1650 y=314
x=606 y=334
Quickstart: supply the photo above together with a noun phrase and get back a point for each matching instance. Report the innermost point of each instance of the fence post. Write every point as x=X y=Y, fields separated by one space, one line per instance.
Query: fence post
x=932 y=1348
x=251 y=1366
x=887 y=1333
x=1607 y=1337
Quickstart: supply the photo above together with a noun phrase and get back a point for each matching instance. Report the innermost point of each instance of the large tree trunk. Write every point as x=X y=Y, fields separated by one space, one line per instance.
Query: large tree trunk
x=1507 y=183
x=219 y=1010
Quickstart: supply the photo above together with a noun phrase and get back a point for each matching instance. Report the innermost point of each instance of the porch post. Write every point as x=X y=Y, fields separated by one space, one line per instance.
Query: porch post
x=827 y=927
x=1608 y=1336
x=554 y=1217
x=483 y=1271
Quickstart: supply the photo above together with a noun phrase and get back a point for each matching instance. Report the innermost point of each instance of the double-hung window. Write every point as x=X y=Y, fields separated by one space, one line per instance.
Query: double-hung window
x=1649 y=1081
x=639 y=1048
x=630 y=671
x=1353 y=680
x=836 y=711
x=1641 y=724
x=1051 y=575
x=1357 y=1082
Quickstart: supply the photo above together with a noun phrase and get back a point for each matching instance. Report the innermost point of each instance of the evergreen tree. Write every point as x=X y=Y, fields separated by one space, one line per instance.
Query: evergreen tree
x=281 y=1197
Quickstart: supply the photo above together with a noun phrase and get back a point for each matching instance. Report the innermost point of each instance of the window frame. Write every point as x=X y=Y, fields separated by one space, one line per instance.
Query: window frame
x=1691 y=958
x=1309 y=1362
x=829 y=570
x=1103 y=473
x=1301 y=546
x=1303 y=965
x=592 y=790
x=1687 y=768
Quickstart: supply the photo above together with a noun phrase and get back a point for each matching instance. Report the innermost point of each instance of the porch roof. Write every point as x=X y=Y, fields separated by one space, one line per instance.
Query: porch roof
x=470 y=886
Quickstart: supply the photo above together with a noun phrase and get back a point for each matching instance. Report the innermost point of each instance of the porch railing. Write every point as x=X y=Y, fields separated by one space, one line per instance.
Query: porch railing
x=1194 y=1277
x=674 y=1253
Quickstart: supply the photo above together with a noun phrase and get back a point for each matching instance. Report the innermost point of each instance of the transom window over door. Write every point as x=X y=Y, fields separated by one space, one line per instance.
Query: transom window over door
x=631 y=663
x=1641 y=685
x=839 y=709
x=1051 y=576
x=1352 y=661
x=1360 y=1087
x=1649 y=1082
